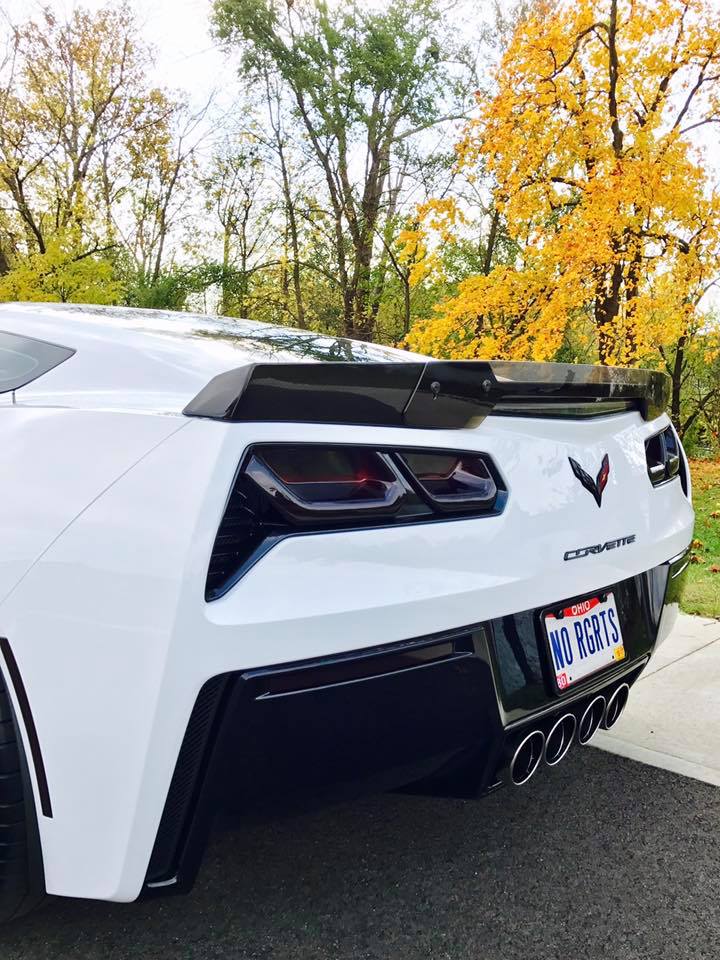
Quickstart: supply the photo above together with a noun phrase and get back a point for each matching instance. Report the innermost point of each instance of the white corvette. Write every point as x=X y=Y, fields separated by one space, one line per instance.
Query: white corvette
x=256 y=567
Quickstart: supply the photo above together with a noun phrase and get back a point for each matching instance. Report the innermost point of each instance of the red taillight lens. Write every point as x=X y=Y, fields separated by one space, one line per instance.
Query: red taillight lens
x=309 y=481
x=453 y=481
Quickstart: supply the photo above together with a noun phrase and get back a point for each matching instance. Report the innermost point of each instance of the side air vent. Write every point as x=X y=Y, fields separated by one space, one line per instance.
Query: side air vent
x=249 y=527
x=185 y=782
x=285 y=489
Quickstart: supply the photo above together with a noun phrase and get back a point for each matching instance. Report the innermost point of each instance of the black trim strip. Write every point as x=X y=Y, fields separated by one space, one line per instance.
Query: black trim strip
x=442 y=394
x=275 y=683
x=29 y=722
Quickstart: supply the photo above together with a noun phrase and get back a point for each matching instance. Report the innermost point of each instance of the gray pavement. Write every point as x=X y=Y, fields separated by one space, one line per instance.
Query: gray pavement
x=601 y=857
x=672 y=719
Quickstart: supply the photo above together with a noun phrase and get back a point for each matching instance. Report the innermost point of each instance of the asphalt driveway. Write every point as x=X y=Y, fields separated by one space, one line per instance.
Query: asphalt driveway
x=601 y=857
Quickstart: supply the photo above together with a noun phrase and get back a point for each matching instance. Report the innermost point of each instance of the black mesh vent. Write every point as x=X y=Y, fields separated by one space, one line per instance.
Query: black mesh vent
x=249 y=519
x=185 y=781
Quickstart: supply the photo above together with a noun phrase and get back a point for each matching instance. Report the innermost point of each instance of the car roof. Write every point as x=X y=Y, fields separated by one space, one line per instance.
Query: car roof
x=158 y=359
x=251 y=339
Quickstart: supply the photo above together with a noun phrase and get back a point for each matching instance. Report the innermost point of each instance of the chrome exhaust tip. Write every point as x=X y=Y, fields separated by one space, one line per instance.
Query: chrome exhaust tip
x=527 y=757
x=559 y=739
x=615 y=706
x=591 y=719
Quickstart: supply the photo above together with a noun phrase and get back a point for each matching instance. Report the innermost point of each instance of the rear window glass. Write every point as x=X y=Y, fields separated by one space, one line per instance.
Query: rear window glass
x=23 y=359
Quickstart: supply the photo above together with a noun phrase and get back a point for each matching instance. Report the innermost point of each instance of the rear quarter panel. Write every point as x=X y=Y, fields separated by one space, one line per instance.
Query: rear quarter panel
x=55 y=463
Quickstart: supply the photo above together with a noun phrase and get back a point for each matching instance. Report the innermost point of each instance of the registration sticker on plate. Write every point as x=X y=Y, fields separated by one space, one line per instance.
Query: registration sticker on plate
x=584 y=638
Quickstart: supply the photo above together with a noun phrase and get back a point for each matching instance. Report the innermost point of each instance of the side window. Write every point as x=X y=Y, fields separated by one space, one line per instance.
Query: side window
x=23 y=360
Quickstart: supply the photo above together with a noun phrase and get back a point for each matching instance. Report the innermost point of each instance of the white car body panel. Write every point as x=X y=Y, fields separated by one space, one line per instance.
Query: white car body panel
x=52 y=445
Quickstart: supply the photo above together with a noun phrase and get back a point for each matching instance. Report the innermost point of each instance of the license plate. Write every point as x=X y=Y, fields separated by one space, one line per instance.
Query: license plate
x=584 y=638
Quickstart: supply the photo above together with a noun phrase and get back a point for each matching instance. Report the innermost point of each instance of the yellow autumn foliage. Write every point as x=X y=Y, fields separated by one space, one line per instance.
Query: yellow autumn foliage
x=593 y=139
x=62 y=274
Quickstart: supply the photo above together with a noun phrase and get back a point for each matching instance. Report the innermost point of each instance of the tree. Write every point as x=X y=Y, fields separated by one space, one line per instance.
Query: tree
x=589 y=137
x=694 y=365
x=60 y=274
x=362 y=84
x=160 y=177
x=251 y=192
x=72 y=91
x=79 y=126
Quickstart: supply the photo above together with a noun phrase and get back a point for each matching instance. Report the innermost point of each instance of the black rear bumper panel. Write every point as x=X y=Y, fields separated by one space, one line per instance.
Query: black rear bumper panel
x=435 y=715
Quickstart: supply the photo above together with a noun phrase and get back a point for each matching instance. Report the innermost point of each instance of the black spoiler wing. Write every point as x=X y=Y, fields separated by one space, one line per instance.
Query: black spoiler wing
x=447 y=394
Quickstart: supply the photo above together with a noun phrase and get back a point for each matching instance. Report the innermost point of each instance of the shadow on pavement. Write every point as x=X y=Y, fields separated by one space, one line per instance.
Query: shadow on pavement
x=598 y=858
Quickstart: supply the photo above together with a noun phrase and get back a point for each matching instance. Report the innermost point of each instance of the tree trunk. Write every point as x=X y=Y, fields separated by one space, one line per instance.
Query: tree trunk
x=406 y=304
x=292 y=229
x=607 y=309
x=363 y=318
x=677 y=378
x=225 y=295
x=284 y=278
x=632 y=289
x=274 y=102
x=491 y=241
x=363 y=326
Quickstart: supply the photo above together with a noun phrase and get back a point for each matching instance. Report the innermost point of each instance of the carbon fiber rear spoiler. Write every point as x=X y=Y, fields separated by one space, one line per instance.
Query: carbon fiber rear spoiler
x=447 y=394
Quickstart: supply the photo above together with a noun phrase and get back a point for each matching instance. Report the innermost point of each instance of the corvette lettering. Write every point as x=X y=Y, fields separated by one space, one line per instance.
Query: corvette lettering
x=599 y=547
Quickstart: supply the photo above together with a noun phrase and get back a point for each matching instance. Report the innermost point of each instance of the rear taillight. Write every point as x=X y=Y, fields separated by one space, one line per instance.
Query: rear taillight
x=662 y=453
x=284 y=489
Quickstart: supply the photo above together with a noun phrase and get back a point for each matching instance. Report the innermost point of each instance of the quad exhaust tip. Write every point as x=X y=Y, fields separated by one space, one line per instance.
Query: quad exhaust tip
x=590 y=721
x=527 y=757
x=559 y=739
x=553 y=747
x=615 y=706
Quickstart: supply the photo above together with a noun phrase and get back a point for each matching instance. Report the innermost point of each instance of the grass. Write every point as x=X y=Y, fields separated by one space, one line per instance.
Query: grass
x=702 y=588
